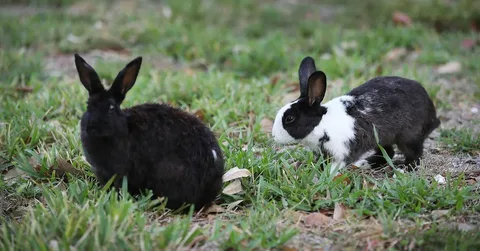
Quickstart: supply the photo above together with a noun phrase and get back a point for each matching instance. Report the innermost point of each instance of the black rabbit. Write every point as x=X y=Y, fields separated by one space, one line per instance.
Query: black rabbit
x=342 y=128
x=156 y=146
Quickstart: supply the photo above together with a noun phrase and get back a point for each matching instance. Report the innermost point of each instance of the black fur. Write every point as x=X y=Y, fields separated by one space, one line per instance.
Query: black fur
x=306 y=69
x=402 y=112
x=305 y=118
x=400 y=109
x=155 y=146
x=302 y=117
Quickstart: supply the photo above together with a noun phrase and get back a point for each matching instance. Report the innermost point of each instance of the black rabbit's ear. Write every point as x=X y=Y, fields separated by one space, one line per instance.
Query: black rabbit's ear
x=88 y=76
x=317 y=85
x=126 y=79
x=307 y=68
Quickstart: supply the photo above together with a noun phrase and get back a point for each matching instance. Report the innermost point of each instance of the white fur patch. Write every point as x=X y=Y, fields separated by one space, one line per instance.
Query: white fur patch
x=215 y=157
x=400 y=170
x=363 y=164
x=279 y=134
x=366 y=111
x=339 y=127
x=336 y=123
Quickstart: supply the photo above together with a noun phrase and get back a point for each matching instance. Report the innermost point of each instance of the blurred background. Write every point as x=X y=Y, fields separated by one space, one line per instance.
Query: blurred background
x=248 y=37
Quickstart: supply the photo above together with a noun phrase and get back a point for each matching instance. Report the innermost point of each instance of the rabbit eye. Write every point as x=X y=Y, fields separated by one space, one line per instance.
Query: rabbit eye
x=111 y=107
x=289 y=119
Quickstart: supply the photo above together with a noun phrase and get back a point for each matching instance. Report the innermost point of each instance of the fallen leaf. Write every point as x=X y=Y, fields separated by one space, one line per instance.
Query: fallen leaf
x=200 y=238
x=395 y=54
x=465 y=227
x=266 y=125
x=99 y=25
x=53 y=245
x=238 y=230
x=471 y=181
x=233 y=188
x=65 y=167
x=81 y=8
x=167 y=12
x=274 y=80
x=439 y=213
x=213 y=209
x=440 y=179
x=24 y=89
x=210 y=217
x=450 y=67
x=13 y=173
x=401 y=18
x=317 y=219
x=62 y=186
x=468 y=43
x=234 y=204
x=339 y=211
x=326 y=56
x=297 y=164
x=369 y=184
x=235 y=173
x=189 y=71
x=74 y=39
x=344 y=179
x=35 y=164
x=200 y=114
x=348 y=45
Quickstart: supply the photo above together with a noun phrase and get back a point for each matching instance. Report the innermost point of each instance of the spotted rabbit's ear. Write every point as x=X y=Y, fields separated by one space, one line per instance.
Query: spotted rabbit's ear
x=317 y=86
x=126 y=79
x=307 y=68
x=88 y=76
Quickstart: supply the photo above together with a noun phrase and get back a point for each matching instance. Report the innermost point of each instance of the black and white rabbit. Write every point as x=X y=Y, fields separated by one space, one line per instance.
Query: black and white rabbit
x=400 y=109
x=155 y=146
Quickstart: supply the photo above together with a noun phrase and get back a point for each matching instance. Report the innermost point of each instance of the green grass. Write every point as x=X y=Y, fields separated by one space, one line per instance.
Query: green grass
x=441 y=238
x=224 y=56
x=463 y=140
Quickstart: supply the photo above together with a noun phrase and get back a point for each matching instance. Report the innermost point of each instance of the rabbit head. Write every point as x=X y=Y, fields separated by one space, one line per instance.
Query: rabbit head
x=104 y=117
x=297 y=119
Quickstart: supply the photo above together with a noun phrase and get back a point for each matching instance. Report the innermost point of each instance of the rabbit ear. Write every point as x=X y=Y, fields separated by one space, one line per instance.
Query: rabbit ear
x=88 y=76
x=126 y=79
x=317 y=85
x=307 y=68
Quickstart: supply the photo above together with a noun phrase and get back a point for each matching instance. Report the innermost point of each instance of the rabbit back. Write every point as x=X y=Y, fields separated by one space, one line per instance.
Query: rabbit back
x=166 y=150
x=400 y=109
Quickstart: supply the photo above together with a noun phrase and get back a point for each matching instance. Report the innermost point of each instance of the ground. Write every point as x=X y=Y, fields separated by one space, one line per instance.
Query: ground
x=234 y=63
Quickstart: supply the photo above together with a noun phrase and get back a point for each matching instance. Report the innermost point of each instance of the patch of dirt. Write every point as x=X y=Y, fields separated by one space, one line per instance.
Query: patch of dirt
x=63 y=64
x=11 y=206
x=437 y=160
x=463 y=113
x=463 y=110
x=22 y=10
x=314 y=9
x=309 y=240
